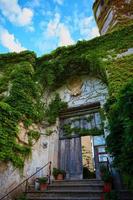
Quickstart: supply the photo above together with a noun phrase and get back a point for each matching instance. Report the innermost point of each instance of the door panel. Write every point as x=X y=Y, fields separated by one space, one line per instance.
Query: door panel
x=70 y=154
x=70 y=150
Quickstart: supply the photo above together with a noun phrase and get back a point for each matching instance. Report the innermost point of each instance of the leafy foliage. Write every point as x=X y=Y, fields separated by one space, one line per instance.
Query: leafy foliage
x=57 y=171
x=120 y=114
x=93 y=58
x=23 y=75
x=54 y=108
x=21 y=103
x=33 y=135
x=43 y=179
x=69 y=131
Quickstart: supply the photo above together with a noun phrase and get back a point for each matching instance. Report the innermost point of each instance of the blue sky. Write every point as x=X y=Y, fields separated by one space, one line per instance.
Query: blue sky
x=43 y=25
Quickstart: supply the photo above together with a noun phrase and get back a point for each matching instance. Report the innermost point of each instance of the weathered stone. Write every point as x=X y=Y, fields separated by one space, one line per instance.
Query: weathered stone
x=22 y=136
x=110 y=15
x=92 y=90
x=75 y=85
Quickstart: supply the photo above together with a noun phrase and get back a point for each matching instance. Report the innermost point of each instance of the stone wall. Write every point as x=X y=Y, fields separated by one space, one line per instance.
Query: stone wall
x=90 y=90
x=43 y=151
x=77 y=92
x=111 y=15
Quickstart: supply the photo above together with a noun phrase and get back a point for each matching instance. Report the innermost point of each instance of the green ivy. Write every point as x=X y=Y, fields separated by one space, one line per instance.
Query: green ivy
x=33 y=135
x=22 y=103
x=24 y=78
x=69 y=131
x=54 y=108
x=93 y=58
x=120 y=141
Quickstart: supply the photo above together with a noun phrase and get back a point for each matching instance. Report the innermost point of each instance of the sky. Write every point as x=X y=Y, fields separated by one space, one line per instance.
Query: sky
x=44 y=25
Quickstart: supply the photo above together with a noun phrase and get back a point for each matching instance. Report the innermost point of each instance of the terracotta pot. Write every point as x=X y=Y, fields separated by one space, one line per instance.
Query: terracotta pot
x=59 y=177
x=102 y=197
x=107 y=187
x=43 y=186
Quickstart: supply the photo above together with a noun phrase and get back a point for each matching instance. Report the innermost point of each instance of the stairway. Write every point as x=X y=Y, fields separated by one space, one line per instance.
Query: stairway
x=69 y=190
x=125 y=195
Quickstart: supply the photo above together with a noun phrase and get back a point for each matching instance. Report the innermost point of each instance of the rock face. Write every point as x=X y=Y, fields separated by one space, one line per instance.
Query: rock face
x=111 y=15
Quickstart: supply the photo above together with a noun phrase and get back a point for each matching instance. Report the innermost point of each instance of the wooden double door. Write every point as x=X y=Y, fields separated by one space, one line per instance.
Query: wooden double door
x=70 y=147
x=70 y=157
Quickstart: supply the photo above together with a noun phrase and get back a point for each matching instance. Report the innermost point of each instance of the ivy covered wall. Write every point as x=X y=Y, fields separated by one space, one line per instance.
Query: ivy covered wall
x=99 y=57
x=24 y=78
x=113 y=15
x=20 y=102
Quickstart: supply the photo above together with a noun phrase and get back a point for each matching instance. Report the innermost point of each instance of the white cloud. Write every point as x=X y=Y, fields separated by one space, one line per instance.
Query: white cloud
x=64 y=36
x=15 y=14
x=94 y=32
x=57 y=29
x=9 y=41
x=54 y=34
x=60 y=2
x=87 y=28
x=53 y=25
x=84 y=25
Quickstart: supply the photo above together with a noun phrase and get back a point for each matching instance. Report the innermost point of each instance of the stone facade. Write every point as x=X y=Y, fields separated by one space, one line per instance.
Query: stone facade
x=110 y=14
x=43 y=151
x=90 y=90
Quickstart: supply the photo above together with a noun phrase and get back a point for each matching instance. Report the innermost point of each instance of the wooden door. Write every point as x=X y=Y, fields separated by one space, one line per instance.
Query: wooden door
x=70 y=150
x=70 y=157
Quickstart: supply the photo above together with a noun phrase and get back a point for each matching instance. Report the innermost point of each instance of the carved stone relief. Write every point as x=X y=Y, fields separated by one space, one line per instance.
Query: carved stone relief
x=74 y=85
x=92 y=90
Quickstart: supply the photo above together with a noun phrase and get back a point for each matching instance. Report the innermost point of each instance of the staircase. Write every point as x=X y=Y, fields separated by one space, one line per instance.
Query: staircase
x=125 y=195
x=69 y=190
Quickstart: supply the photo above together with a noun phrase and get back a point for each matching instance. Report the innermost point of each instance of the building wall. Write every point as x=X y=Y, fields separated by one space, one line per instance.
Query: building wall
x=78 y=91
x=111 y=15
x=82 y=91
x=43 y=151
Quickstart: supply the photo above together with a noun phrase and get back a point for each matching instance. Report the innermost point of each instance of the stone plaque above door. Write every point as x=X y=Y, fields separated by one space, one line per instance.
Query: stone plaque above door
x=74 y=85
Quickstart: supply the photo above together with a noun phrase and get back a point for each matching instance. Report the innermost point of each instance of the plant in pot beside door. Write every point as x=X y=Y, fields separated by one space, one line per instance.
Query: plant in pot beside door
x=59 y=174
x=43 y=182
x=107 y=178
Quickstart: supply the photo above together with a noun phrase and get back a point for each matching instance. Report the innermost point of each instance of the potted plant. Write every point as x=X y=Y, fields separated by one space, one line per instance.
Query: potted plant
x=59 y=174
x=107 y=178
x=111 y=195
x=43 y=181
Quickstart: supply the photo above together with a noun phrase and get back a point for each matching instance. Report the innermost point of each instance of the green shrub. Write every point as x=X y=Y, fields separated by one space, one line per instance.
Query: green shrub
x=57 y=171
x=120 y=140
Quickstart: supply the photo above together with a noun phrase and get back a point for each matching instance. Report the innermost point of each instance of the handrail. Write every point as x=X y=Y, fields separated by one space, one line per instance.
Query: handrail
x=26 y=180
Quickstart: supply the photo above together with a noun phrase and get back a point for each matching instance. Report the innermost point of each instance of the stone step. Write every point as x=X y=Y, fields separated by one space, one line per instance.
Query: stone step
x=71 y=182
x=66 y=193
x=125 y=194
x=77 y=184
x=75 y=187
x=64 y=198
x=31 y=188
